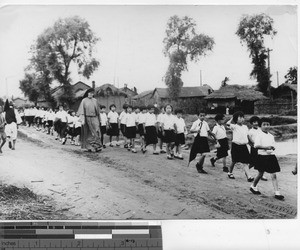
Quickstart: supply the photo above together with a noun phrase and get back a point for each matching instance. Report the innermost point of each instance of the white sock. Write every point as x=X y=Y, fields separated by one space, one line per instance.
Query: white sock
x=254 y=188
x=277 y=193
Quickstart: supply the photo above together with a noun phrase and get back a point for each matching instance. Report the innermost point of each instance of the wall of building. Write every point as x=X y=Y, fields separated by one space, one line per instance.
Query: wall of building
x=277 y=106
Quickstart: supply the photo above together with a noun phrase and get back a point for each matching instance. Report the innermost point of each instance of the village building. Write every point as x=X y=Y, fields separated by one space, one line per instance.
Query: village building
x=143 y=99
x=22 y=102
x=190 y=99
x=108 y=94
x=234 y=97
x=283 y=101
x=130 y=92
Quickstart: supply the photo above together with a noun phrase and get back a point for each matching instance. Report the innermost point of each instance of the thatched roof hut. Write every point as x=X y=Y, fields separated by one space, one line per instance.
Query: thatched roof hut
x=239 y=92
x=109 y=90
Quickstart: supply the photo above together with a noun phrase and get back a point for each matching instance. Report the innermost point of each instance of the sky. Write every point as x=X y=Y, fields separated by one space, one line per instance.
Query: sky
x=131 y=47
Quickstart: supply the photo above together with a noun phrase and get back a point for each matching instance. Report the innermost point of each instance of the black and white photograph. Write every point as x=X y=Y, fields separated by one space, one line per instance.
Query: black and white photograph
x=148 y=112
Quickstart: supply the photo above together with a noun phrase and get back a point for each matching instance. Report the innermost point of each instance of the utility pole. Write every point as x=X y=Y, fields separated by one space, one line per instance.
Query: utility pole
x=269 y=83
x=200 y=78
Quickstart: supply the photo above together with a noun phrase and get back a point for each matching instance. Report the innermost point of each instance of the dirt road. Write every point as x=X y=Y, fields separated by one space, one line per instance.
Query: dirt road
x=117 y=184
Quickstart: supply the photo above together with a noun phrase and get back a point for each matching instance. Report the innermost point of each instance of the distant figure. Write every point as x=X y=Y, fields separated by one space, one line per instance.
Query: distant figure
x=12 y=118
x=89 y=113
x=2 y=129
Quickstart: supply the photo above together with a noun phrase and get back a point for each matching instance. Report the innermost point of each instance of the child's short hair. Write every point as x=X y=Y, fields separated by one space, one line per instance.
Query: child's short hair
x=264 y=119
x=202 y=111
x=112 y=105
x=70 y=111
x=142 y=108
x=102 y=107
x=129 y=106
x=219 y=117
x=178 y=111
x=236 y=115
x=163 y=108
x=136 y=107
x=170 y=106
x=150 y=106
x=125 y=105
x=254 y=119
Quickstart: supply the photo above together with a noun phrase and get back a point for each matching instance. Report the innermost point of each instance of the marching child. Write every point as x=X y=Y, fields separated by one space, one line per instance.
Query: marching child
x=219 y=132
x=201 y=131
x=131 y=123
x=239 y=150
x=50 y=121
x=62 y=121
x=77 y=130
x=266 y=160
x=254 y=121
x=113 y=123
x=180 y=135
x=122 y=120
x=169 y=129
x=103 y=123
x=160 y=118
x=71 y=125
x=141 y=130
x=150 y=129
x=2 y=129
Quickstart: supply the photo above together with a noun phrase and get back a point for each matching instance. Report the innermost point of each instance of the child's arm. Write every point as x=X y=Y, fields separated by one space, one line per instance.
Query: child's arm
x=229 y=123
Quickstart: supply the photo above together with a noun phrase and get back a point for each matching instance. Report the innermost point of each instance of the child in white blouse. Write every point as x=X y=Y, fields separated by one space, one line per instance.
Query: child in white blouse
x=266 y=160
x=113 y=124
x=180 y=135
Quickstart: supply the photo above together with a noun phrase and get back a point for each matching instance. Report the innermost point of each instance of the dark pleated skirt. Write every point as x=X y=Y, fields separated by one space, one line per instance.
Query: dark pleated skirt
x=131 y=132
x=151 y=135
x=170 y=136
x=240 y=153
x=222 y=151
x=113 y=130
x=267 y=163
x=179 y=139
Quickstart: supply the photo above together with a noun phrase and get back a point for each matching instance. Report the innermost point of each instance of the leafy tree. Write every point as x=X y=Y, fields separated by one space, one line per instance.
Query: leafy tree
x=68 y=41
x=182 y=44
x=291 y=76
x=252 y=31
x=30 y=87
x=1 y=102
x=224 y=82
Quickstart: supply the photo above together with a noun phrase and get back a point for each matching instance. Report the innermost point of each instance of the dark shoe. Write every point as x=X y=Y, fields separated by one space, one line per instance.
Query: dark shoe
x=144 y=151
x=254 y=192
x=230 y=176
x=264 y=178
x=163 y=151
x=9 y=145
x=169 y=157
x=279 y=197
x=250 y=179
x=104 y=146
x=294 y=172
x=64 y=141
x=201 y=171
x=212 y=161
x=111 y=145
x=126 y=145
x=225 y=169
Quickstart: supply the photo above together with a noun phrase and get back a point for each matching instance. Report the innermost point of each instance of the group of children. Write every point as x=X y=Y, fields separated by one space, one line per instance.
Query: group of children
x=143 y=123
x=261 y=142
x=155 y=129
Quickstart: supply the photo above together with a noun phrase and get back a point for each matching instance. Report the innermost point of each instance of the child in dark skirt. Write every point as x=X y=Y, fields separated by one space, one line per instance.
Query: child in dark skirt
x=103 y=123
x=180 y=135
x=219 y=132
x=113 y=124
x=160 y=118
x=254 y=122
x=239 y=150
x=131 y=123
x=169 y=130
x=266 y=160
x=141 y=130
x=150 y=128
x=122 y=120
x=200 y=145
